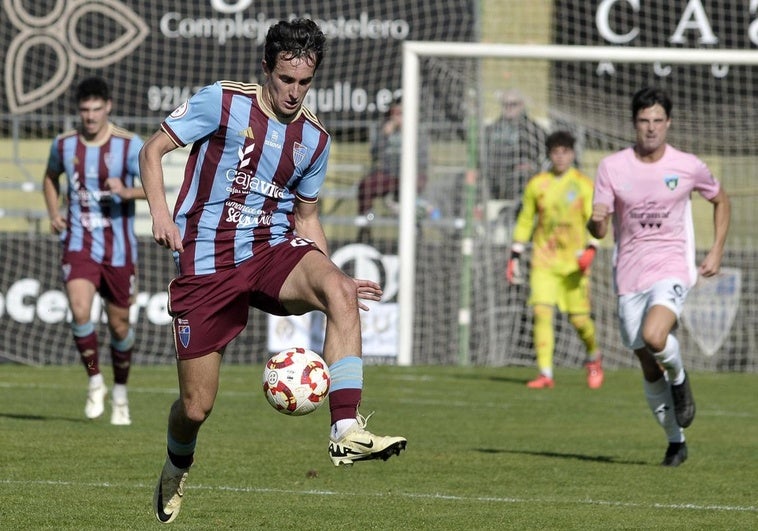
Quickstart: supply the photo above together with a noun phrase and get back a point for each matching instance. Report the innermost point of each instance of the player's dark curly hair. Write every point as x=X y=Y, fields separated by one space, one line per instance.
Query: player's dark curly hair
x=299 y=38
x=92 y=87
x=649 y=96
x=560 y=139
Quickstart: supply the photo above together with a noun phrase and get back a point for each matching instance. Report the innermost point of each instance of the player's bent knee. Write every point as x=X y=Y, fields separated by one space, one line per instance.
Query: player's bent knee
x=579 y=320
x=196 y=413
x=195 y=409
x=654 y=342
x=340 y=290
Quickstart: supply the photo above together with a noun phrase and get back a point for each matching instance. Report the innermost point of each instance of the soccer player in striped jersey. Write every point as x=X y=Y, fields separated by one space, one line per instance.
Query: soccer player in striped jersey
x=646 y=191
x=101 y=164
x=245 y=232
x=555 y=209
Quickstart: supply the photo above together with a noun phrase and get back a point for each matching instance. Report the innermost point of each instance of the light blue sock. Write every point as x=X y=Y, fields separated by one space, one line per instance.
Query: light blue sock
x=346 y=373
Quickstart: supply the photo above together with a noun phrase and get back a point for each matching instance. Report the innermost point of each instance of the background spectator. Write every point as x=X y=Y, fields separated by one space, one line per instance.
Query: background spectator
x=512 y=148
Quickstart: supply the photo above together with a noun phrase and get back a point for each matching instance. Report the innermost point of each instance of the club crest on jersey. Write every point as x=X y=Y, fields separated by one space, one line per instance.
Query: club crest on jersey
x=298 y=153
x=183 y=331
x=672 y=181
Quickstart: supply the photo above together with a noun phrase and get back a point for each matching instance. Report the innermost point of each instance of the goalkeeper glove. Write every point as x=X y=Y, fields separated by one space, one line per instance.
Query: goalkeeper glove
x=586 y=257
x=513 y=272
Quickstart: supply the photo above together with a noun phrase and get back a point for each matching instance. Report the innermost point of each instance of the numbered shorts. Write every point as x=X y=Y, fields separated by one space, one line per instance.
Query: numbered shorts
x=209 y=311
x=633 y=307
x=570 y=293
x=117 y=285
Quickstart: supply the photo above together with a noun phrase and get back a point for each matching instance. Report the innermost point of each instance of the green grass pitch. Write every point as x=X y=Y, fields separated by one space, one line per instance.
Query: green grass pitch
x=484 y=452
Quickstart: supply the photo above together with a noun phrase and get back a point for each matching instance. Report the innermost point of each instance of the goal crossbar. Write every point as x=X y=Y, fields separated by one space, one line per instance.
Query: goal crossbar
x=560 y=52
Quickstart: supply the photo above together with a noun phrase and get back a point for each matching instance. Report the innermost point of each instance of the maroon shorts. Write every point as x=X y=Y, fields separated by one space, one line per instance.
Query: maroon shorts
x=116 y=285
x=209 y=311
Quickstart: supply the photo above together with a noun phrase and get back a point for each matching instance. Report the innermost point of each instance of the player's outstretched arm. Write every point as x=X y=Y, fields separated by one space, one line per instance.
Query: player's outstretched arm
x=722 y=213
x=308 y=225
x=165 y=231
x=598 y=223
x=51 y=191
x=116 y=186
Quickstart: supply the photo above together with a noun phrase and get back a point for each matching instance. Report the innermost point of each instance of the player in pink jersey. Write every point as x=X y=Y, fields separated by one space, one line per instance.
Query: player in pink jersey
x=248 y=219
x=646 y=190
x=97 y=236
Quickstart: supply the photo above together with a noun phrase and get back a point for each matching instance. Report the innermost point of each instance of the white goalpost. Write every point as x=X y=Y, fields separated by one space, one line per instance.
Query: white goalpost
x=733 y=165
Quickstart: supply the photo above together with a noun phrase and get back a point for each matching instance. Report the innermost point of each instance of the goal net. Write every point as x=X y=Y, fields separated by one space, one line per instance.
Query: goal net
x=439 y=253
x=460 y=303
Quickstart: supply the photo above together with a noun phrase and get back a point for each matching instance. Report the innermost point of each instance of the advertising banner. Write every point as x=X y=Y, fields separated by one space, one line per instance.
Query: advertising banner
x=718 y=98
x=158 y=53
x=35 y=319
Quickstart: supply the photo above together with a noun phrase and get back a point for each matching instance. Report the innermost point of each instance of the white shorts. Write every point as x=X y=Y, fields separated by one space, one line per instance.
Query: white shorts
x=633 y=307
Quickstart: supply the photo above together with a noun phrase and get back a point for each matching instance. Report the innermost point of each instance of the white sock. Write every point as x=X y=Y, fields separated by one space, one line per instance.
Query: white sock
x=119 y=393
x=671 y=359
x=96 y=380
x=658 y=395
x=340 y=427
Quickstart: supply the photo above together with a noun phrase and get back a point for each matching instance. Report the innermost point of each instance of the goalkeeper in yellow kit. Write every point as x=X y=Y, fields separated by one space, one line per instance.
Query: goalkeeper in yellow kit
x=555 y=209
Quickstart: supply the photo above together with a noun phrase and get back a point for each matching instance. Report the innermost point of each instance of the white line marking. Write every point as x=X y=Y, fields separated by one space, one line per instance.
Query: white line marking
x=425 y=496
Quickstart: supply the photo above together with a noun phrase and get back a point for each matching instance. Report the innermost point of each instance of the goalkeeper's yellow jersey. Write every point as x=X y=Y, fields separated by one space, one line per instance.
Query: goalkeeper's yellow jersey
x=554 y=215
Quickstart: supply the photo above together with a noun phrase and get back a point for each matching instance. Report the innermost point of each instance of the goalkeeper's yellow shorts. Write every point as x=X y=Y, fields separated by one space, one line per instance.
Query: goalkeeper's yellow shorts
x=570 y=293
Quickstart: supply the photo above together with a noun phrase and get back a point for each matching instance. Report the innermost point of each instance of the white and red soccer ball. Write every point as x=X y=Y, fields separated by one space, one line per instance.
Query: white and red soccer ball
x=296 y=381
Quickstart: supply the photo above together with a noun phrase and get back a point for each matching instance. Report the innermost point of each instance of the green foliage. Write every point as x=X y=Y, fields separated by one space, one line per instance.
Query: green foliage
x=484 y=452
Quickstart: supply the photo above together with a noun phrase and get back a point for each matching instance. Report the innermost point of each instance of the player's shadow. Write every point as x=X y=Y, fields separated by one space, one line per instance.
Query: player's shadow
x=507 y=379
x=17 y=416
x=558 y=455
x=503 y=379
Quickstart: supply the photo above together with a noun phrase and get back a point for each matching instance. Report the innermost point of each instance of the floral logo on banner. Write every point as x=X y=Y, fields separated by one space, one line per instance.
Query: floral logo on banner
x=56 y=31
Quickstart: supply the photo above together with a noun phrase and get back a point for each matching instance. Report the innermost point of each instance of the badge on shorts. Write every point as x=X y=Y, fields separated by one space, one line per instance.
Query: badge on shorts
x=183 y=331
x=66 y=271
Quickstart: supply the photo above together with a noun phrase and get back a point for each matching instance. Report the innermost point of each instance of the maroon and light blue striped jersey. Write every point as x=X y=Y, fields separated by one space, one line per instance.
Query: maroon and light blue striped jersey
x=99 y=222
x=243 y=174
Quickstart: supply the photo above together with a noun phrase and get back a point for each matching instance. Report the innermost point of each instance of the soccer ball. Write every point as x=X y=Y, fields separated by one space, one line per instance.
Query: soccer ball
x=296 y=381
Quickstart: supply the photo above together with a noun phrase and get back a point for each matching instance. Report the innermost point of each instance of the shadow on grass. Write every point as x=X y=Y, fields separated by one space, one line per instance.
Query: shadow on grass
x=495 y=378
x=18 y=416
x=558 y=455
x=506 y=379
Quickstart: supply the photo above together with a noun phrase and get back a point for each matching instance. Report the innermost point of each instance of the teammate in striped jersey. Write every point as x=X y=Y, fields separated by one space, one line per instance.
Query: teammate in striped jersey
x=245 y=232
x=100 y=161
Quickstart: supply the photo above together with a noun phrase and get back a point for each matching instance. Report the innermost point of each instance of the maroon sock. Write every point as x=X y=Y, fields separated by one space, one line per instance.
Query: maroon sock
x=87 y=347
x=343 y=404
x=122 y=360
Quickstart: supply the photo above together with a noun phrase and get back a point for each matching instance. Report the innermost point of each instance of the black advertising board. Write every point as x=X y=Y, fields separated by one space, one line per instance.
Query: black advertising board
x=157 y=53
